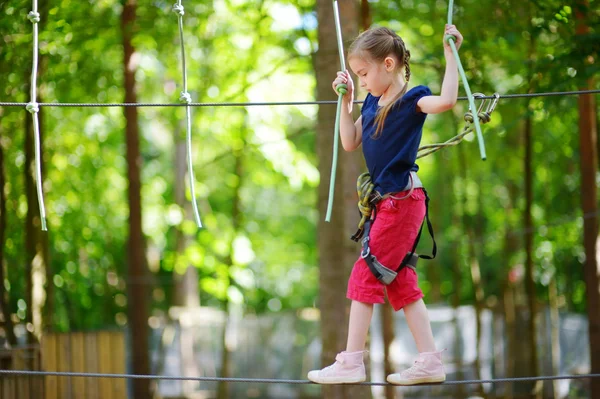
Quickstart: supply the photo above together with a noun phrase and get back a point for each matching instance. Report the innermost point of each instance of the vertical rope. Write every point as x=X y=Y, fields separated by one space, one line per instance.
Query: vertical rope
x=33 y=108
x=185 y=97
x=450 y=39
x=341 y=89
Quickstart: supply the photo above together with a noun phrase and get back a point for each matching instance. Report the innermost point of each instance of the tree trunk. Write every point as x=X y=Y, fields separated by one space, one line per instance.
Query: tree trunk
x=533 y=368
x=474 y=267
x=512 y=245
x=34 y=258
x=387 y=324
x=186 y=284
x=457 y=261
x=186 y=293
x=337 y=252
x=223 y=387
x=7 y=324
x=137 y=302
x=554 y=335
x=588 y=137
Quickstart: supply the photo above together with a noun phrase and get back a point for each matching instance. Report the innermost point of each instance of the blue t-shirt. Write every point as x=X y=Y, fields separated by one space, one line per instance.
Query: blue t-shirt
x=391 y=156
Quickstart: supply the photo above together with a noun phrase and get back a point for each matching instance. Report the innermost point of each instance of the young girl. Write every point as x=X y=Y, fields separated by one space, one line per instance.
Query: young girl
x=389 y=129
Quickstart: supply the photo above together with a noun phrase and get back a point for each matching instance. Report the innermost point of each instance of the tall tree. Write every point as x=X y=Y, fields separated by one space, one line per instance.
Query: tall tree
x=4 y=301
x=588 y=137
x=334 y=245
x=137 y=303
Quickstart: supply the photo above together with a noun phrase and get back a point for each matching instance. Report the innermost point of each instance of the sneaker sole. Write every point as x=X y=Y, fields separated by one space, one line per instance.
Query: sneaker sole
x=417 y=381
x=337 y=380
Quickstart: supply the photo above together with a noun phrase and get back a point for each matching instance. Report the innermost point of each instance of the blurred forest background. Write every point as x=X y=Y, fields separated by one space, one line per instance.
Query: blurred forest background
x=516 y=233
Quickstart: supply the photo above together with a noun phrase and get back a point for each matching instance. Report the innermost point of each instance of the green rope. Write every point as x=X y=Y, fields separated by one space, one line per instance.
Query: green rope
x=364 y=188
x=186 y=98
x=33 y=108
x=341 y=89
x=484 y=116
x=450 y=39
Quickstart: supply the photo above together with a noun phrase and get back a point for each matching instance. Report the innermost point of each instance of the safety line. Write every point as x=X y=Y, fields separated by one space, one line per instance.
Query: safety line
x=187 y=99
x=341 y=90
x=278 y=381
x=33 y=108
x=450 y=39
x=280 y=103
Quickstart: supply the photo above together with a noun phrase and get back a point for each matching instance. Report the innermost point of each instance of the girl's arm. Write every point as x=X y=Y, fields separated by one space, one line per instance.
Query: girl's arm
x=447 y=98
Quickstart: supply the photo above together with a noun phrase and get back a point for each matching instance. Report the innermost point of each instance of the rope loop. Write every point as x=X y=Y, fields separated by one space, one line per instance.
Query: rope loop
x=185 y=97
x=32 y=107
x=341 y=89
x=178 y=8
x=484 y=117
x=34 y=17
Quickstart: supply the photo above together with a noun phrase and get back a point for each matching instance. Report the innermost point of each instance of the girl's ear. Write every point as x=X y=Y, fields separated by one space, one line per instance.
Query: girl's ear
x=390 y=64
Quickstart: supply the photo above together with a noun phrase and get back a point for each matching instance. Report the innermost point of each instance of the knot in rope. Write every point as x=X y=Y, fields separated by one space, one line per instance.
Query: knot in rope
x=32 y=107
x=185 y=97
x=34 y=17
x=178 y=8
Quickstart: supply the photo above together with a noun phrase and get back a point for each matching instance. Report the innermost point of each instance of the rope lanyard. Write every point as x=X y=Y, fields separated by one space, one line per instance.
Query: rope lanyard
x=33 y=108
x=187 y=99
x=483 y=116
x=450 y=39
x=341 y=90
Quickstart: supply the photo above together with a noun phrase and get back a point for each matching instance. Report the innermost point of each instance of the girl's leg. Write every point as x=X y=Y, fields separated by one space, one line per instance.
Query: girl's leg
x=349 y=366
x=358 y=328
x=428 y=367
x=418 y=322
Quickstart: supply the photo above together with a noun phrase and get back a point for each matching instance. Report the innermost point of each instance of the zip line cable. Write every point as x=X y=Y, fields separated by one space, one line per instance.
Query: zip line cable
x=279 y=103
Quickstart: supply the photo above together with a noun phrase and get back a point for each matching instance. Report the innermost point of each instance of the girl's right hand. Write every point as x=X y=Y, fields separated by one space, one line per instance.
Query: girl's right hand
x=344 y=78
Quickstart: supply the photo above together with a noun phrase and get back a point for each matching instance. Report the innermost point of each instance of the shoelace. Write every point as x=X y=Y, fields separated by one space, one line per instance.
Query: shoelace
x=414 y=368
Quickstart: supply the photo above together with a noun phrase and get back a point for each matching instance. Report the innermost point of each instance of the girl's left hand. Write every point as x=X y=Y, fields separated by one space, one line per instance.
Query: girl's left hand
x=451 y=30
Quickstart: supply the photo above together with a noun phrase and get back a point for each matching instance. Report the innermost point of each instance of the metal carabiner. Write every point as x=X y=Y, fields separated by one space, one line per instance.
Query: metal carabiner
x=469 y=114
x=493 y=104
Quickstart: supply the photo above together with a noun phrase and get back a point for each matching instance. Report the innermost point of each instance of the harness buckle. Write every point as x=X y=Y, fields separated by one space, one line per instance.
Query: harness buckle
x=365 y=252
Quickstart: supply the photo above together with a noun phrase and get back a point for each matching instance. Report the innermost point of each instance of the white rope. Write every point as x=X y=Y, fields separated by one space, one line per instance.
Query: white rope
x=33 y=108
x=186 y=98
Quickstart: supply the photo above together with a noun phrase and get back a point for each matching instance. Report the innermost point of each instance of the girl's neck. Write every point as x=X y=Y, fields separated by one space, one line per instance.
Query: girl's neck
x=392 y=91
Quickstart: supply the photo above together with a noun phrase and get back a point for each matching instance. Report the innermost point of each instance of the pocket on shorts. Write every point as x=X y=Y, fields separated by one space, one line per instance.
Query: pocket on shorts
x=402 y=202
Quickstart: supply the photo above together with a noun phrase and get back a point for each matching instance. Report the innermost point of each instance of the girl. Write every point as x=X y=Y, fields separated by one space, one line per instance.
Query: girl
x=389 y=129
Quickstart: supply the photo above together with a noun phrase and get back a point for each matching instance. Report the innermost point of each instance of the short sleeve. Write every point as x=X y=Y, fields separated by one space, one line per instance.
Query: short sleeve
x=413 y=96
x=367 y=102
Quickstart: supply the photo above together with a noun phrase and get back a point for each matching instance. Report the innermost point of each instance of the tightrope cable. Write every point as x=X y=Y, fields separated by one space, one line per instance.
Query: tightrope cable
x=450 y=39
x=33 y=108
x=187 y=99
x=278 y=103
x=278 y=381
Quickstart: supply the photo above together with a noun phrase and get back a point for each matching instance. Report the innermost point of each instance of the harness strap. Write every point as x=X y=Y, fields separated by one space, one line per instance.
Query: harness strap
x=367 y=209
x=410 y=255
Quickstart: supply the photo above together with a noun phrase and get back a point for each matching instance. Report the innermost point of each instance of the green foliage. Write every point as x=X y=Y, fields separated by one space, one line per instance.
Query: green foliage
x=260 y=50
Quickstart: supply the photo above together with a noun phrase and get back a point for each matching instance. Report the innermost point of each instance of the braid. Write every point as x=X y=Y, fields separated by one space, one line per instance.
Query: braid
x=406 y=64
x=403 y=56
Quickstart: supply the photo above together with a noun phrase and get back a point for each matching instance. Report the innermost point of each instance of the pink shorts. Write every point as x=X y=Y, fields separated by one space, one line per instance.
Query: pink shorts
x=393 y=234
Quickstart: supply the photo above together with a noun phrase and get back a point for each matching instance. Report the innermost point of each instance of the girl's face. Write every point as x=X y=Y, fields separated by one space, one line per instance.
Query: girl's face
x=374 y=76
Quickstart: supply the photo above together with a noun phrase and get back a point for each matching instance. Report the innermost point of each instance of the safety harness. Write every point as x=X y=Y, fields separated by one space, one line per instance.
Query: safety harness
x=368 y=198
